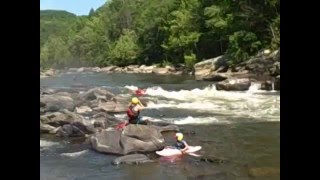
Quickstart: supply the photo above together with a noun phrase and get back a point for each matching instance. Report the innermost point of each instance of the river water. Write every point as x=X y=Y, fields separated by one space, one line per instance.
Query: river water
x=241 y=130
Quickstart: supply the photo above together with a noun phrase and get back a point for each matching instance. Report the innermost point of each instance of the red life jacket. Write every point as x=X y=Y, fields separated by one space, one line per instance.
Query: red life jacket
x=131 y=113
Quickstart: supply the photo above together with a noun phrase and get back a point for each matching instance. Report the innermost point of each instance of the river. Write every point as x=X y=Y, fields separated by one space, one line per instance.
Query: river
x=242 y=129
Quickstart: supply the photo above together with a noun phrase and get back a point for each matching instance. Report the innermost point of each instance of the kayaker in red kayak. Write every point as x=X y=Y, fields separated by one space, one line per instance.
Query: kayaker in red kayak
x=140 y=92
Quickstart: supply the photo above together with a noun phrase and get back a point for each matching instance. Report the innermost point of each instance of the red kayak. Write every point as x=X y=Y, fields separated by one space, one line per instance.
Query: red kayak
x=140 y=92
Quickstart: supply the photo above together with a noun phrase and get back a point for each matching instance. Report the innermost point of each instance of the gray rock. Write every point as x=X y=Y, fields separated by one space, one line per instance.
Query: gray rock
x=234 y=85
x=133 y=138
x=131 y=159
x=56 y=102
x=267 y=85
x=277 y=83
x=215 y=77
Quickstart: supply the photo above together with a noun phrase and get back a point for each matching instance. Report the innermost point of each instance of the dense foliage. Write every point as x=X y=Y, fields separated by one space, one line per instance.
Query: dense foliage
x=124 y=32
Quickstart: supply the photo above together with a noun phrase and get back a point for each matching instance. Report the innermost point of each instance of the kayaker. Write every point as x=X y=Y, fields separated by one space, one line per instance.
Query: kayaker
x=181 y=144
x=133 y=112
x=140 y=92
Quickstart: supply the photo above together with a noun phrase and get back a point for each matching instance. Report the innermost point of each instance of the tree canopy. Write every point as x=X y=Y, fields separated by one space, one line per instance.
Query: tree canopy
x=123 y=32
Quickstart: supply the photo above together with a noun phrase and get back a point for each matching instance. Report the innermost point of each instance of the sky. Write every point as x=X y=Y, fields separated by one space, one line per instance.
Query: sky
x=78 y=7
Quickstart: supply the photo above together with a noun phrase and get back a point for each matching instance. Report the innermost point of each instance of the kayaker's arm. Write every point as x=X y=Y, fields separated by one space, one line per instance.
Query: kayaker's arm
x=185 y=148
x=138 y=108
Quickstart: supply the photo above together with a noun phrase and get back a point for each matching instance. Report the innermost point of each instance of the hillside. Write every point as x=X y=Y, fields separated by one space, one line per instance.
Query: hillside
x=54 y=23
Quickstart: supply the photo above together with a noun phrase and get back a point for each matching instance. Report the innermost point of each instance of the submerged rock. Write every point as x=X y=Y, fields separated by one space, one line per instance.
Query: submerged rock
x=131 y=159
x=263 y=171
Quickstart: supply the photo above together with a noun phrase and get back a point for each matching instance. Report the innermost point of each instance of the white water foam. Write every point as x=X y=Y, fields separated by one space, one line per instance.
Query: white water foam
x=121 y=116
x=253 y=103
x=124 y=116
x=202 y=94
x=195 y=120
x=204 y=106
x=74 y=154
x=131 y=87
x=44 y=143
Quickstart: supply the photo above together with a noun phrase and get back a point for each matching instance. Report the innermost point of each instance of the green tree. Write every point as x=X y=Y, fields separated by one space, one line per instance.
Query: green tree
x=55 y=53
x=182 y=28
x=91 y=12
x=126 y=32
x=125 y=50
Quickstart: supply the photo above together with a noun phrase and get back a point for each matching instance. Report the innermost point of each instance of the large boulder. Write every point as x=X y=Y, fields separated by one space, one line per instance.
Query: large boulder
x=141 y=138
x=116 y=105
x=60 y=118
x=104 y=120
x=204 y=69
x=267 y=85
x=108 y=69
x=160 y=70
x=80 y=69
x=277 y=83
x=170 y=68
x=234 y=85
x=264 y=63
x=146 y=69
x=275 y=69
x=111 y=120
x=55 y=102
x=111 y=106
x=107 y=141
x=42 y=75
x=134 y=138
x=258 y=65
x=119 y=70
x=97 y=93
x=178 y=73
x=50 y=72
x=75 y=122
x=276 y=55
x=46 y=128
x=131 y=159
x=70 y=130
x=95 y=69
x=131 y=68
x=214 y=77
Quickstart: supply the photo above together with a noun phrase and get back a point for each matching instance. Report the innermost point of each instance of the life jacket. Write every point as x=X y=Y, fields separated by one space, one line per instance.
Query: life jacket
x=131 y=113
x=180 y=144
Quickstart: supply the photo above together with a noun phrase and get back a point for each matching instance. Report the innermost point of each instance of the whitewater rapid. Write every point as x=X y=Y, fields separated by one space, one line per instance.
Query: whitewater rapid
x=224 y=106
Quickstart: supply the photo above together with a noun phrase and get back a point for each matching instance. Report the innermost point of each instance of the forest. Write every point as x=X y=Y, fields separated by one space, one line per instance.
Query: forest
x=162 y=32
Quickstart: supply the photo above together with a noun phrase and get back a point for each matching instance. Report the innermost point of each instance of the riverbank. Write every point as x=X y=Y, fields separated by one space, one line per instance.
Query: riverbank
x=263 y=68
